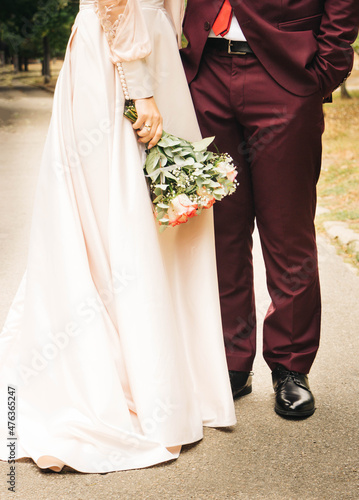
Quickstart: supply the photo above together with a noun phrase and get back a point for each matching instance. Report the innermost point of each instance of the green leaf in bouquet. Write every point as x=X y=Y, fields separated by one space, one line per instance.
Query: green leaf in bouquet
x=186 y=144
x=158 y=198
x=187 y=152
x=164 y=171
x=163 y=227
x=154 y=176
x=214 y=184
x=173 y=137
x=163 y=142
x=199 y=182
x=192 y=189
x=199 y=157
x=188 y=161
x=168 y=152
x=167 y=141
x=208 y=156
x=158 y=192
x=163 y=187
x=163 y=160
x=179 y=160
x=168 y=175
x=219 y=192
x=152 y=160
x=162 y=205
x=203 y=144
x=176 y=150
x=207 y=167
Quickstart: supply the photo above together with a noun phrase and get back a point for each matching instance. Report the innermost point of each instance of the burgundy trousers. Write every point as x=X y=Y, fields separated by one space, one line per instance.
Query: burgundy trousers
x=274 y=138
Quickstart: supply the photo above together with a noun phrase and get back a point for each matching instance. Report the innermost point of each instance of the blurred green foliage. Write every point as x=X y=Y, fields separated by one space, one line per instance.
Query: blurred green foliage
x=356 y=45
x=25 y=23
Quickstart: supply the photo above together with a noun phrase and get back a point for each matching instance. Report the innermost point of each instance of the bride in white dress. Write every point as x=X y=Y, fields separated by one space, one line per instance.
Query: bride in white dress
x=114 y=340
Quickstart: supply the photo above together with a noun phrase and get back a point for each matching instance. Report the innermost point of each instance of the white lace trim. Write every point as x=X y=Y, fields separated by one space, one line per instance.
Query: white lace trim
x=110 y=28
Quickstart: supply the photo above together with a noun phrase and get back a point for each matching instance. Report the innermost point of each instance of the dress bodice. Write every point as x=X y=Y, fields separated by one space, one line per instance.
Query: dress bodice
x=155 y=4
x=87 y=4
x=91 y=4
x=127 y=25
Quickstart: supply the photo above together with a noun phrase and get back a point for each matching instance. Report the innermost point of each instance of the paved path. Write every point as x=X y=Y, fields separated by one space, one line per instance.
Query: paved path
x=264 y=457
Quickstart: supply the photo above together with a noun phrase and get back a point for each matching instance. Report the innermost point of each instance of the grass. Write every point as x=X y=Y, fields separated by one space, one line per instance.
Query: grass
x=338 y=187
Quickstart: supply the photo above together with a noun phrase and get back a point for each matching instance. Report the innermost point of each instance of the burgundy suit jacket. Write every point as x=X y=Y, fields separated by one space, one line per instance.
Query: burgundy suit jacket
x=305 y=45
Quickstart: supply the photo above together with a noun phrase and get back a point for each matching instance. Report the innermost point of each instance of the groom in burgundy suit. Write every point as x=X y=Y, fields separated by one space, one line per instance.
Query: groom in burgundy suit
x=258 y=73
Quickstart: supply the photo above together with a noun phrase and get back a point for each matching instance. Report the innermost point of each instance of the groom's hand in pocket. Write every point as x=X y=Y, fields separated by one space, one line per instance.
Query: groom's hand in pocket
x=149 y=122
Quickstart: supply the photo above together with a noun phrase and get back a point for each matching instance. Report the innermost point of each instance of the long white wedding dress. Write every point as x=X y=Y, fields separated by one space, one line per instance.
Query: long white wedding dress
x=114 y=340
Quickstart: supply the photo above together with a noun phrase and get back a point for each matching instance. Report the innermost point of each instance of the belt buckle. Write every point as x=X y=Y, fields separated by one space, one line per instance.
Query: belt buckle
x=230 y=51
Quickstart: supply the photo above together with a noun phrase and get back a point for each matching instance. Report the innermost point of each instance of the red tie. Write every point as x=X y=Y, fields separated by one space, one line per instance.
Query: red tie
x=223 y=21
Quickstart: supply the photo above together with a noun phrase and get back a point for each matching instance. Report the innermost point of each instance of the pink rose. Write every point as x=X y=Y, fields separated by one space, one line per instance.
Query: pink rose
x=232 y=175
x=208 y=199
x=227 y=169
x=181 y=209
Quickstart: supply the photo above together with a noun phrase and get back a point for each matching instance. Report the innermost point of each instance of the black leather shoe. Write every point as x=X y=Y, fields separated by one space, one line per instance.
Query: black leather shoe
x=241 y=383
x=293 y=397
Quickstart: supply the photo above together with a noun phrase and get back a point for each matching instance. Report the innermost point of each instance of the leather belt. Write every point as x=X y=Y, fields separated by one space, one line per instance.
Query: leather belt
x=233 y=47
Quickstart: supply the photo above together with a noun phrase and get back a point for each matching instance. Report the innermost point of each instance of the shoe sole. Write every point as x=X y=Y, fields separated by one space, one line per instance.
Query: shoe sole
x=246 y=390
x=294 y=414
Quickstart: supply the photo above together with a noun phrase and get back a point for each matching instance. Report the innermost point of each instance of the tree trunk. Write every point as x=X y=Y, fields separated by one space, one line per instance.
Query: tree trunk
x=344 y=94
x=26 y=64
x=46 y=60
x=15 y=60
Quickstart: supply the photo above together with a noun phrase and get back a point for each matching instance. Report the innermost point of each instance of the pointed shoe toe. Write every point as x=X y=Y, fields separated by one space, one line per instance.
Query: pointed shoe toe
x=293 y=397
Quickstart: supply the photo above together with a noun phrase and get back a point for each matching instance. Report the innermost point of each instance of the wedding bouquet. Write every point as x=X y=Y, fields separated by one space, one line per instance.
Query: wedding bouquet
x=184 y=177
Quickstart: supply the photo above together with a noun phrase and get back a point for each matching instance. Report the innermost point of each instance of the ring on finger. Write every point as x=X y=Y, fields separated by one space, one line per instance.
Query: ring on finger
x=148 y=126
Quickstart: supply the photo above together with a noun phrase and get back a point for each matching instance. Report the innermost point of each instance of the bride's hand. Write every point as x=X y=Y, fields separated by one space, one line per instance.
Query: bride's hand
x=149 y=122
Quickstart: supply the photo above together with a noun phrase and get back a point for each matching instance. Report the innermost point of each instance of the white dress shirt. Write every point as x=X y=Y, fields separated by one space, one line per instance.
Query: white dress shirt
x=234 y=33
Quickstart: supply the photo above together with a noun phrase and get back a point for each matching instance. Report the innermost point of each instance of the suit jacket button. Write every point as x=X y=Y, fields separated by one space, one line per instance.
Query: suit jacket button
x=207 y=26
